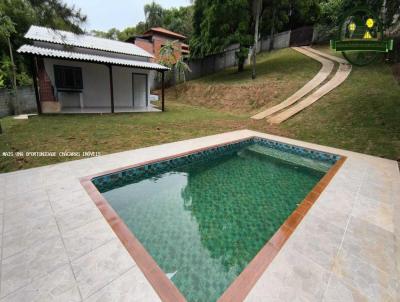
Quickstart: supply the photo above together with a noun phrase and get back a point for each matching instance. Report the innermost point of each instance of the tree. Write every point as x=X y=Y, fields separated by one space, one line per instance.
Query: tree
x=256 y=12
x=333 y=10
x=218 y=24
x=154 y=14
x=24 y=13
x=7 y=28
x=179 y=20
x=168 y=57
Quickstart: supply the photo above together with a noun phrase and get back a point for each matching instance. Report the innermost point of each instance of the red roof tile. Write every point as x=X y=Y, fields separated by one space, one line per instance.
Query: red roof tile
x=165 y=32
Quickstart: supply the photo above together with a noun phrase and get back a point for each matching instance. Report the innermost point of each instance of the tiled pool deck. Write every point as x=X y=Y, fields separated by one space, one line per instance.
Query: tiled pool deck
x=57 y=246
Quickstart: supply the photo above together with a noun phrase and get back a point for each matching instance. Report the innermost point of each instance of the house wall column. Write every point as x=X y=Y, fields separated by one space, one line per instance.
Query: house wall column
x=111 y=88
x=162 y=91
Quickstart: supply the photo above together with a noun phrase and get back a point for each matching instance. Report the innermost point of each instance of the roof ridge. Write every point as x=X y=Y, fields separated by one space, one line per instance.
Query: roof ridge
x=85 y=40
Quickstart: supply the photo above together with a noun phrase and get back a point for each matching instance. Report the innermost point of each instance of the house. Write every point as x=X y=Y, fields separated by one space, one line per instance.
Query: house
x=78 y=73
x=155 y=38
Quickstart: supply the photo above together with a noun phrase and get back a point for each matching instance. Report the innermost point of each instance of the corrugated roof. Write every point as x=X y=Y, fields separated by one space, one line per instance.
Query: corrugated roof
x=45 y=34
x=54 y=53
x=164 y=31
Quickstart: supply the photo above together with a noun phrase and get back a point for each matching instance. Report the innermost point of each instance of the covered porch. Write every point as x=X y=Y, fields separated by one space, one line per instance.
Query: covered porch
x=100 y=84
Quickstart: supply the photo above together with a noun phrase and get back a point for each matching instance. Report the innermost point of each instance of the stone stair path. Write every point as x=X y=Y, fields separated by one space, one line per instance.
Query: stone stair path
x=322 y=75
x=304 y=97
x=340 y=76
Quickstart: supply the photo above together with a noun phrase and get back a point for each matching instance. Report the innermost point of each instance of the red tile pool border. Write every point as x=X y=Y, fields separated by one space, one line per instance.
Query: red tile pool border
x=242 y=285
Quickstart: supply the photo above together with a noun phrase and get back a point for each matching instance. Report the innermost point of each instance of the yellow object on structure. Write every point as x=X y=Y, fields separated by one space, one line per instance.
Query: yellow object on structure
x=352 y=26
x=367 y=35
x=370 y=22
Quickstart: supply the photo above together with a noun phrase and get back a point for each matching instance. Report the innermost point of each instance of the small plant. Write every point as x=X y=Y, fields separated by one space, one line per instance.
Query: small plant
x=2 y=81
x=168 y=57
x=23 y=79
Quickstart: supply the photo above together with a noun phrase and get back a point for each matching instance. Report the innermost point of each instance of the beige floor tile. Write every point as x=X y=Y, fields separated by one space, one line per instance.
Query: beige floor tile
x=317 y=240
x=22 y=268
x=57 y=286
x=374 y=211
x=338 y=291
x=88 y=237
x=20 y=239
x=77 y=216
x=65 y=202
x=364 y=278
x=24 y=219
x=130 y=287
x=371 y=244
x=35 y=198
x=299 y=279
x=100 y=267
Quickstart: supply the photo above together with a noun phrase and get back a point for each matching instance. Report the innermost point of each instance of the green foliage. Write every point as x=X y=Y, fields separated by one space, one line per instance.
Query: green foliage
x=179 y=20
x=175 y=19
x=333 y=10
x=19 y=15
x=278 y=15
x=2 y=81
x=217 y=24
x=23 y=79
x=115 y=34
x=154 y=14
x=7 y=27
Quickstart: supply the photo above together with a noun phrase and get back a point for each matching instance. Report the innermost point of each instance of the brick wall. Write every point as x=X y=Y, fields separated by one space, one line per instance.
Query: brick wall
x=146 y=45
x=45 y=87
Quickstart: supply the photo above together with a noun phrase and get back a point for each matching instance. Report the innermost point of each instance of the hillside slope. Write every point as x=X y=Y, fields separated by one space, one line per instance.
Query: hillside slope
x=236 y=92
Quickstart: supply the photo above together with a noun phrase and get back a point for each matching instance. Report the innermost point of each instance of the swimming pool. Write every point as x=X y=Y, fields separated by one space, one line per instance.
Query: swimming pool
x=204 y=216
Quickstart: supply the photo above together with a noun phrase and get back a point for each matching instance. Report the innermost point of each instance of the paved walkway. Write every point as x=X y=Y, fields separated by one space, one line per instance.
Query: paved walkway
x=57 y=246
x=340 y=76
x=322 y=75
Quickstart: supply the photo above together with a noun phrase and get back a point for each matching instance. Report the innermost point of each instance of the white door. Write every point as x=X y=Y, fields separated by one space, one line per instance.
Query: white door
x=139 y=87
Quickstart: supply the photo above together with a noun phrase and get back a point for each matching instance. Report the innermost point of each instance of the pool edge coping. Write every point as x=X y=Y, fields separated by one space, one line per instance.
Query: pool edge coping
x=245 y=281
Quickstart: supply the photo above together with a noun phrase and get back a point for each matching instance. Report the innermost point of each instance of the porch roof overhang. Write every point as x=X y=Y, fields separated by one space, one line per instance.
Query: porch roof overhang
x=78 y=56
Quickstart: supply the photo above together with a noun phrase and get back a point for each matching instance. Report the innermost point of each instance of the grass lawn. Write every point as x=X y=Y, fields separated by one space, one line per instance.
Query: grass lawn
x=106 y=133
x=363 y=115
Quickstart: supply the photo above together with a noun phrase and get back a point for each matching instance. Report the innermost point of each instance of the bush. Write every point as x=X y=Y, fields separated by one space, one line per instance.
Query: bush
x=23 y=79
x=324 y=33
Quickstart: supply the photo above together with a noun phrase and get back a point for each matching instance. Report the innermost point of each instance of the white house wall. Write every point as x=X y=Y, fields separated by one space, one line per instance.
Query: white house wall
x=96 y=85
x=123 y=92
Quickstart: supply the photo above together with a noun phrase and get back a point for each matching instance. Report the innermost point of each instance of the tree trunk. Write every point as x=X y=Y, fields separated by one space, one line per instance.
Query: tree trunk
x=271 y=36
x=14 y=77
x=257 y=17
x=241 y=64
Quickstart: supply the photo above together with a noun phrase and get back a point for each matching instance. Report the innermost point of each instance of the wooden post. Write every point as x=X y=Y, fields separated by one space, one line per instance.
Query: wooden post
x=162 y=91
x=111 y=88
x=35 y=84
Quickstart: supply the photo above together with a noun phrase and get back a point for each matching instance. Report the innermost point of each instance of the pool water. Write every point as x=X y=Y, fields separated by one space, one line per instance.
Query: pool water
x=204 y=221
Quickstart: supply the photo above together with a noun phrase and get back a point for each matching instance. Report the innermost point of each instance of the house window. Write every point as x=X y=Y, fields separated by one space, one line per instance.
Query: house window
x=68 y=78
